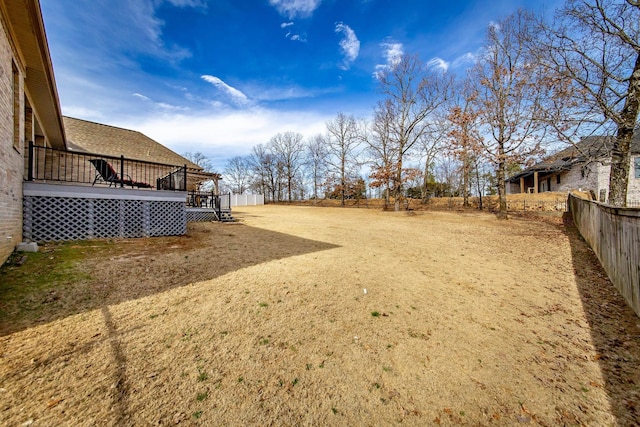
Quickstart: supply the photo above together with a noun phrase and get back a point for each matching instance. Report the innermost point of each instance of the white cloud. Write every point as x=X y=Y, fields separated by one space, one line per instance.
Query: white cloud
x=292 y=34
x=392 y=53
x=467 y=58
x=295 y=8
x=236 y=95
x=144 y=98
x=349 y=45
x=83 y=112
x=160 y=105
x=223 y=133
x=438 y=63
x=276 y=93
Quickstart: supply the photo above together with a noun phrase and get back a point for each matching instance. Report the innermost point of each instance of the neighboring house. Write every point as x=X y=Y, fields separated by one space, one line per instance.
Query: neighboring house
x=29 y=104
x=66 y=179
x=583 y=166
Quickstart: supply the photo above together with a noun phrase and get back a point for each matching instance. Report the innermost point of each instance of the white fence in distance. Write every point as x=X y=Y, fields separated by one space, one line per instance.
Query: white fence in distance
x=246 y=200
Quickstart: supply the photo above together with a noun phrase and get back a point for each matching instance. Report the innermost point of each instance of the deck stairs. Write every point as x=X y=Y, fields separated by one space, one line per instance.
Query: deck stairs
x=225 y=215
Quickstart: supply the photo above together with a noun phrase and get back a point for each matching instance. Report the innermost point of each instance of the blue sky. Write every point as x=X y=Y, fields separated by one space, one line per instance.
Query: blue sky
x=221 y=76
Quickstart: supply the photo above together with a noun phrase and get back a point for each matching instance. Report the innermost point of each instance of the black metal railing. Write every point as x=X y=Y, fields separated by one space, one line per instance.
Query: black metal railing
x=51 y=164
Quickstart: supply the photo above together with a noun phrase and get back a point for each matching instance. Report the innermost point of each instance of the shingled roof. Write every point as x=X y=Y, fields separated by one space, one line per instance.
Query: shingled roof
x=91 y=137
x=588 y=149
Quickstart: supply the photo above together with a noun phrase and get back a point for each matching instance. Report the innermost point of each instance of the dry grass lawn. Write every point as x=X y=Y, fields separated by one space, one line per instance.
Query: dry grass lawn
x=327 y=316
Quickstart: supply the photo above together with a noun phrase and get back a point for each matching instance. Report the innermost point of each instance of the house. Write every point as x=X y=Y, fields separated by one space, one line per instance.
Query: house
x=66 y=179
x=84 y=136
x=583 y=166
x=29 y=104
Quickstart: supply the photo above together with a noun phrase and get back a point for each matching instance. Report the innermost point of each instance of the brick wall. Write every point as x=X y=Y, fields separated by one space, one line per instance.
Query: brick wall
x=11 y=159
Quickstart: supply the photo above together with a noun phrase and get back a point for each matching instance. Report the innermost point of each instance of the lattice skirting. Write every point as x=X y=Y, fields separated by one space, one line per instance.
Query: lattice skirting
x=66 y=218
x=200 y=215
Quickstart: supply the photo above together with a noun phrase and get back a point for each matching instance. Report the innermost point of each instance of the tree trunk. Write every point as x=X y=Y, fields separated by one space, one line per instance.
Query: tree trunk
x=342 y=180
x=619 y=176
x=502 y=191
x=425 y=182
x=465 y=181
x=397 y=188
x=478 y=186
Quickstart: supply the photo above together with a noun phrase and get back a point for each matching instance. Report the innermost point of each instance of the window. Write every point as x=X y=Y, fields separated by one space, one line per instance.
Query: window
x=16 y=107
x=558 y=179
x=636 y=167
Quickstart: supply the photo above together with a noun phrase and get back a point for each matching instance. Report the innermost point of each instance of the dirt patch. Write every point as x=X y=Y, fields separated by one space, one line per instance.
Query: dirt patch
x=328 y=316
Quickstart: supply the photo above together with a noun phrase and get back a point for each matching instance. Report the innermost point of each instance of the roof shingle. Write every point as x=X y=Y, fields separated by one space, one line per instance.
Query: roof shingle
x=91 y=137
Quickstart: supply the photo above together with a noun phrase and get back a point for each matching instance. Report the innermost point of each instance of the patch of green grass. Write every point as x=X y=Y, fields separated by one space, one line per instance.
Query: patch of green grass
x=31 y=281
x=202 y=375
x=240 y=379
x=197 y=414
x=264 y=341
x=386 y=368
x=377 y=385
x=263 y=304
x=334 y=410
x=202 y=396
x=294 y=382
x=375 y=313
x=309 y=366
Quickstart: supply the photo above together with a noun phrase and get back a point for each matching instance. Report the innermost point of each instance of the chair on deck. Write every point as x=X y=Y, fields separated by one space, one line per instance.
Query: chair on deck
x=106 y=173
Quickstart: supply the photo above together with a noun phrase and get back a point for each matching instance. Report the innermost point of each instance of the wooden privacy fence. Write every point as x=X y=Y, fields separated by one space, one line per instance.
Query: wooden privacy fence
x=614 y=235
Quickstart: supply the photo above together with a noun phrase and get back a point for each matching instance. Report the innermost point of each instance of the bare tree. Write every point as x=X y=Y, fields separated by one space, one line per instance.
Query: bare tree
x=509 y=97
x=199 y=159
x=316 y=161
x=413 y=94
x=343 y=142
x=238 y=174
x=380 y=149
x=465 y=141
x=266 y=171
x=288 y=149
x=430 y=145
x=596 y=44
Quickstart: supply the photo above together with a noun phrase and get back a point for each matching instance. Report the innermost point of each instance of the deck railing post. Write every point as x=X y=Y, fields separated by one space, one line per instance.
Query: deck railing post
x=185 y=178
x=121 y=171
x=30 y=167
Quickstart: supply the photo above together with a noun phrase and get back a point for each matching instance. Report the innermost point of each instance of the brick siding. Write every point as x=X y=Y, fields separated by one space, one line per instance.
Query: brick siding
x=11 y=159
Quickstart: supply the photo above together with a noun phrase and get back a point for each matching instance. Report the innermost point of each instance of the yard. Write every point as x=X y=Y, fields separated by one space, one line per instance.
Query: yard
x=321 y=316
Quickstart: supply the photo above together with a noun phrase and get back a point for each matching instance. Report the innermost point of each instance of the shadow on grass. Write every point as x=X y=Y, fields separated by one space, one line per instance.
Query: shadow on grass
x=615 y=330
x=74 y=277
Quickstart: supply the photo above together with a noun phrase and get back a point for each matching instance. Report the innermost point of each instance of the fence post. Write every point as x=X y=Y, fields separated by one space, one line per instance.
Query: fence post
x=121 y=171
x=30 y=168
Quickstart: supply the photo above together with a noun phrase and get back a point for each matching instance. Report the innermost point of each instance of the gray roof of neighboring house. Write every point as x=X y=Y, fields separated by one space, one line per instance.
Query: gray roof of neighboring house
x=589 y=148
x=90 y=137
